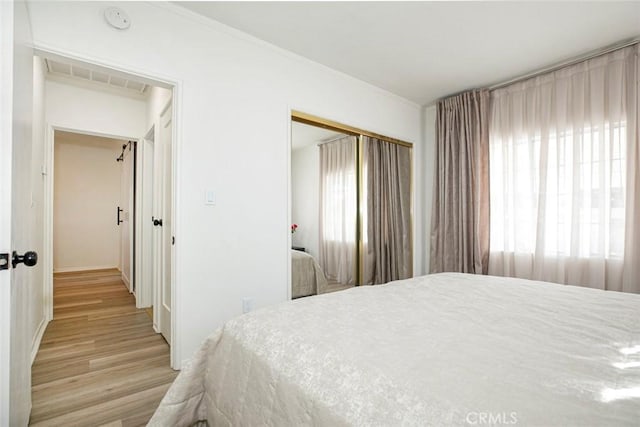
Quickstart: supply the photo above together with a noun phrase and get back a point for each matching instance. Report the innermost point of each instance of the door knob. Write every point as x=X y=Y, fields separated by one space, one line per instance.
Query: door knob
x=157 y=222
x=29 y=259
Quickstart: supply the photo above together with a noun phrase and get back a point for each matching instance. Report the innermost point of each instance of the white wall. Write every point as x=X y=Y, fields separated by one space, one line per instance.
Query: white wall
x=232 y=136
x=305 y=205
x=86 y=195
x=74 y=107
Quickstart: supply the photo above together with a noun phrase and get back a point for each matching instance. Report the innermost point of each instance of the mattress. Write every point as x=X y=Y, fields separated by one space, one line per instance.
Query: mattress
x=444 y=349
x=307 y=278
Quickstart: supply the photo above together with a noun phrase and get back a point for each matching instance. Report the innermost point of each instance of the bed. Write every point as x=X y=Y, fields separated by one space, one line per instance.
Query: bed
x=307 y=278
x=444 y=349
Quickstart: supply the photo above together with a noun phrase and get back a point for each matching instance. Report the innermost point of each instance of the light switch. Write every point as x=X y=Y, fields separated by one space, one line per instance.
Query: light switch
x=210 y=198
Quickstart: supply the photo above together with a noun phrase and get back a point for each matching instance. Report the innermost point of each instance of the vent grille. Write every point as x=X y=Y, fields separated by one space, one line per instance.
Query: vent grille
x=69 y=70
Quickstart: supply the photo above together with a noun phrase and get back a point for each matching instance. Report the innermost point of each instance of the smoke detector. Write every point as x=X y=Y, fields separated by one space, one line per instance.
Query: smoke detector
x=117 y=18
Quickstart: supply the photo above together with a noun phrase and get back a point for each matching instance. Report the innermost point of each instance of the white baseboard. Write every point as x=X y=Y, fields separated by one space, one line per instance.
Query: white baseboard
x=126 y=281
x=72 y=269
x=37 y=338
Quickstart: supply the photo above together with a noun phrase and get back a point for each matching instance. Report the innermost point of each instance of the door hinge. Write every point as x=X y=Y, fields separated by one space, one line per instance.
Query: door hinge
x=4 y=261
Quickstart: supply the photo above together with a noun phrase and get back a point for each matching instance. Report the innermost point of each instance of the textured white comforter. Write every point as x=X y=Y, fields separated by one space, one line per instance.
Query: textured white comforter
x=436 y=350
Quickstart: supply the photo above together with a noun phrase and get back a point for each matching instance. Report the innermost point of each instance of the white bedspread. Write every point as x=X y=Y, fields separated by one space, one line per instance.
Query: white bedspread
x=446 y=349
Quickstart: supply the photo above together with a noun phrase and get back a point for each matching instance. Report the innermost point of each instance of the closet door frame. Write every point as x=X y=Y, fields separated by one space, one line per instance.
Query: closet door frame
x=309 y=119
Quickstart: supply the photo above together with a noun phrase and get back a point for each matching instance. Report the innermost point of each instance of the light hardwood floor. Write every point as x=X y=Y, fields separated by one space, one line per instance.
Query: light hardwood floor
x=100 y=362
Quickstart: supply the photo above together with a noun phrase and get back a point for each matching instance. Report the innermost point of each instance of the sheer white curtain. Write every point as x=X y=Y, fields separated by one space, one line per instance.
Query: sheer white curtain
x=338 y=196
x=564 y=180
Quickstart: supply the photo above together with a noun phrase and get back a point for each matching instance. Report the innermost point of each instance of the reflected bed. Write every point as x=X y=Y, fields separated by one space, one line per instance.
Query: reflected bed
x=444 y=349
x=307 y=277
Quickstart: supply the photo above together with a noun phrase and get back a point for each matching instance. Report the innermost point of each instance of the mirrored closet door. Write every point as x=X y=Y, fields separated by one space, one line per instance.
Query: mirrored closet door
x=351 y=207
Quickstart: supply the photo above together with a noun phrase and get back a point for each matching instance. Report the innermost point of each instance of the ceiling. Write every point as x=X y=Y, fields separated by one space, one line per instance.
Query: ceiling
x=423 y=51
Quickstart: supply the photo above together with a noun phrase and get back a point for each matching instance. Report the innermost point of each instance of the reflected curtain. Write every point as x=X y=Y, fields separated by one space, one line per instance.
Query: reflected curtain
x=565 y=202
x=386 y=211
x=460 y=212
x=338 y=196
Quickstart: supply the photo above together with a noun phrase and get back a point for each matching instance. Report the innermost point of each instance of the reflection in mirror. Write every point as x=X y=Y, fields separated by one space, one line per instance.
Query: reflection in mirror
x=351 y=207
x=338 y=209
x=385 y=212
x=324 y=211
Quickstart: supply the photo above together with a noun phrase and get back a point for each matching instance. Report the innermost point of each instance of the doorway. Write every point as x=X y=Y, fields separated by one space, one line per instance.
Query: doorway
x=143 y=125
x=93 y=204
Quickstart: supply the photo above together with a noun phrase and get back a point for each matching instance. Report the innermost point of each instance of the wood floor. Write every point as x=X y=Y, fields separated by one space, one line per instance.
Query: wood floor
x=100 y=362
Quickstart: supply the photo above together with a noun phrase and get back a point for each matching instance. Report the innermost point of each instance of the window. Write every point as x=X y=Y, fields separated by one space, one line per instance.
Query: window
x=578 y=198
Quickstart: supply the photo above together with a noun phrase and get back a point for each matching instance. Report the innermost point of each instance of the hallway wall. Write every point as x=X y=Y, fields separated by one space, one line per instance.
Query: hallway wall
x=100 y=111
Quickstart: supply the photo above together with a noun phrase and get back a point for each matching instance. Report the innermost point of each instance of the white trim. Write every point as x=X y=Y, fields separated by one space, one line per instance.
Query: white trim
x=79 y=269
x=176 y=149
x=37 y=338
x=126 y=282
x=47 y=244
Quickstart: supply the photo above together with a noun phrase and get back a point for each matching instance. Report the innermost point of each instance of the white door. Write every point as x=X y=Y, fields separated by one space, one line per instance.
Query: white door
x=16 y=217
x=163 y=232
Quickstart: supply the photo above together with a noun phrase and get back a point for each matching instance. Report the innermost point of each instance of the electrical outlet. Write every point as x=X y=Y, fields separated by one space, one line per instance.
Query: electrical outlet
x=247 y=305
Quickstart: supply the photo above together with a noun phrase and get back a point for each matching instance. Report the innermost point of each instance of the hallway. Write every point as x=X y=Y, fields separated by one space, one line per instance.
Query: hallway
x=100 y=362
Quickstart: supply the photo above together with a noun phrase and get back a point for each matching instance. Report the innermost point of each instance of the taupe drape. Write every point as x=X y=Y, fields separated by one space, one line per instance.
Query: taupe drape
x=460 y=214
x=386 y=170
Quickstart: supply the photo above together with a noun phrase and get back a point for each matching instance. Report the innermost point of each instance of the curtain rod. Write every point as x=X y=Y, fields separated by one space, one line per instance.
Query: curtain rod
x=569 y=62
x=335 y=138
